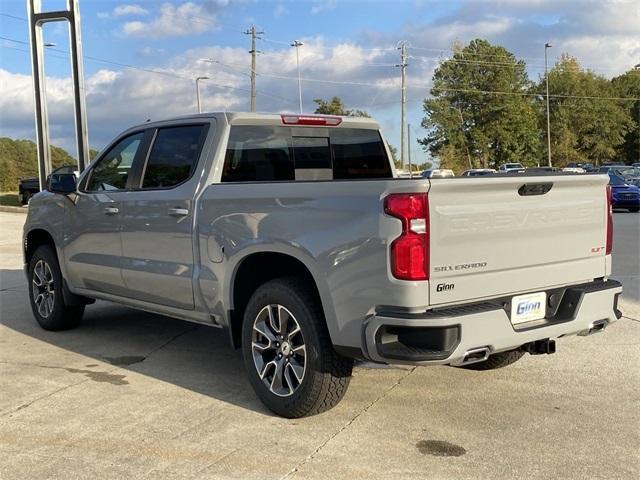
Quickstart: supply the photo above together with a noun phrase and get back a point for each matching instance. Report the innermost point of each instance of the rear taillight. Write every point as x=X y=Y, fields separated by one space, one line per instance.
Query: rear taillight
x=410 y=251
x=609 y=222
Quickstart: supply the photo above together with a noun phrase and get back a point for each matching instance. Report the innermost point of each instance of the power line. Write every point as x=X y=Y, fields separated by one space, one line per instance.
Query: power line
x=13 y=16
x=133 y=67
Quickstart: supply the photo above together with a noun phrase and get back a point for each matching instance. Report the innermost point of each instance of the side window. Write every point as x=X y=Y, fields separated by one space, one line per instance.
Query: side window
x=258 y=154
x=173 y=156
x=112 y=171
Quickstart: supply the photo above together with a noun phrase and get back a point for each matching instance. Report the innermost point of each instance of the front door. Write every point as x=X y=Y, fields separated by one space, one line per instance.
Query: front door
x=157 y=225
x=93 y=247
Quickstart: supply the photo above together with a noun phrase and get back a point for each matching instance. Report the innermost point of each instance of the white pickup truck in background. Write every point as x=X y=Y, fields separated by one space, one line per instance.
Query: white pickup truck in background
x=294 y=234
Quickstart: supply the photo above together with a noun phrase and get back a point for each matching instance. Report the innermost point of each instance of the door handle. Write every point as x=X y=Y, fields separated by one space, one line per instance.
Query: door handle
x=178 y=212
x=111 y=210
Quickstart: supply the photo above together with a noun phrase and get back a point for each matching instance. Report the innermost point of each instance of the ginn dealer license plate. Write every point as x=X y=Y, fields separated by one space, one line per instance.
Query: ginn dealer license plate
x=525 y=308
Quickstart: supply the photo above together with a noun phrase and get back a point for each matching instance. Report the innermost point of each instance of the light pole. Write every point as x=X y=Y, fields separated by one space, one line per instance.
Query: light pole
x=298 y=44
x=546 y=76
x=198 y=91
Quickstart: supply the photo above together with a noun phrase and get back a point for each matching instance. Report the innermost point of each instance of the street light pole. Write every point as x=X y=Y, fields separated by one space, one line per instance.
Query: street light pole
x=546 y=76
x=298 y=44
x=198 y=91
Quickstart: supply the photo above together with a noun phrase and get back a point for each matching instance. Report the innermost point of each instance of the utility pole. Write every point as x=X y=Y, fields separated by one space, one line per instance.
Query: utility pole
x=198 y=91
x=403 y=66
x=546 y=76
x=409 y=149
x=298 y=44
x=254 y=34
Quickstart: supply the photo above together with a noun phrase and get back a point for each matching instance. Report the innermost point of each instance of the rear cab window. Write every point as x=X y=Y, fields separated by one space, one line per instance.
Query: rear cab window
x=283 y=153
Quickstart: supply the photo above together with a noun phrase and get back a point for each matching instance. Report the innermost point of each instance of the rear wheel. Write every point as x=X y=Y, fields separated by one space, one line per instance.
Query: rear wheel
x=46 y=298
x=497 y=360
x=288 y=354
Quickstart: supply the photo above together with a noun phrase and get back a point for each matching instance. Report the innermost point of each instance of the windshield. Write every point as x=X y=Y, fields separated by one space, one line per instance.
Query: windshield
x=628 y=172
x=615 y=179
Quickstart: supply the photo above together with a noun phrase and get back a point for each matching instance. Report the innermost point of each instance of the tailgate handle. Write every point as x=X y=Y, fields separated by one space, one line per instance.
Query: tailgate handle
x=534 y=189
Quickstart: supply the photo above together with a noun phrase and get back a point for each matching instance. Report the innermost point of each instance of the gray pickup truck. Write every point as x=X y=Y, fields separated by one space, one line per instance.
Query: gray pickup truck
x=293 y=234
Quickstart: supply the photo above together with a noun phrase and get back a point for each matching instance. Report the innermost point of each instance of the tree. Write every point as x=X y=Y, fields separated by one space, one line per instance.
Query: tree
x=336 y=107
x=582 y=129
x=468 y=125
x=628 y=85
x=18 y=159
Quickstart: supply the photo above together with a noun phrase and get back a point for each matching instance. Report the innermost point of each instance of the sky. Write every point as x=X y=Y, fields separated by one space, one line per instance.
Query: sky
x=141 y=57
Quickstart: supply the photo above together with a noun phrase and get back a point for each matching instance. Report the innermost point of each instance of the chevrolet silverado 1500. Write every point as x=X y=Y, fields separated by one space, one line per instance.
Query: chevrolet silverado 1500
x=291 y=232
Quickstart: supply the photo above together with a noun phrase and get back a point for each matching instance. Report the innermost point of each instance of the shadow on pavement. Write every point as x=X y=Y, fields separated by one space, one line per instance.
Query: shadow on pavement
x=191 y=356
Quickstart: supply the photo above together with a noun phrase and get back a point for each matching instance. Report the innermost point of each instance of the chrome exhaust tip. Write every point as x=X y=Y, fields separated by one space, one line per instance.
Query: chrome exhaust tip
x=596 y=327
x=476 y=355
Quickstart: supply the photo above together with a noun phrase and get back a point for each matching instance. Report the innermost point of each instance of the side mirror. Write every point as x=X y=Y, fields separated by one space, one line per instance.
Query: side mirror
x=63 y=183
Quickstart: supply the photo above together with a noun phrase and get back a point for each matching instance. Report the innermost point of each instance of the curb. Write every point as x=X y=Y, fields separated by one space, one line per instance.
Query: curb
x=8 y=209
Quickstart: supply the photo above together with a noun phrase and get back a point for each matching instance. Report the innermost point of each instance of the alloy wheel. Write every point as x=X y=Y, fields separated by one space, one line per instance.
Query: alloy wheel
x=278 y=349
x=43 y=288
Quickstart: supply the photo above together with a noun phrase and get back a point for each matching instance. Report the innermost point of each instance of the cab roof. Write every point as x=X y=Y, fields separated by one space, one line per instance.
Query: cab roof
x=250 y=118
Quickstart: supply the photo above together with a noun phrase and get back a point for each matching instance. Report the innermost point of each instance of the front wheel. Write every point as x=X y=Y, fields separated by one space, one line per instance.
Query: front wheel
x=45 y=288
x=288 y=354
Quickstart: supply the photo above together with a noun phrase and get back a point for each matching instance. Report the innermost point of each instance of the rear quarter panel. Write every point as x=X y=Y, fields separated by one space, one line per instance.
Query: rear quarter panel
x=337 y=229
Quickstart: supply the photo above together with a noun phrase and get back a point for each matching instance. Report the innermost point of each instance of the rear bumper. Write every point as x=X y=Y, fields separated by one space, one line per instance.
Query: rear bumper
x=445 y=336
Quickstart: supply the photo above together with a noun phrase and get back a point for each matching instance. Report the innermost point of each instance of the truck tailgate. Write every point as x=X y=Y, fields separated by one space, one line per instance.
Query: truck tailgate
x=495 y=236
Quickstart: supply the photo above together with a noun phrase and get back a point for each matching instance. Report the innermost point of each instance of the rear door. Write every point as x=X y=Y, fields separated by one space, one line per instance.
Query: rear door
x=157 y=224
x=500 y=235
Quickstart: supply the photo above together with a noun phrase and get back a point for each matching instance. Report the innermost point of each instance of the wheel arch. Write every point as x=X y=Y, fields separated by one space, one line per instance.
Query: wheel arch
x=258 y=268
x=35 y=238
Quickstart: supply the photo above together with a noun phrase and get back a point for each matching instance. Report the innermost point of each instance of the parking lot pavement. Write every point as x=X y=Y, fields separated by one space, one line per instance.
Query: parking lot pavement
x=136 y=395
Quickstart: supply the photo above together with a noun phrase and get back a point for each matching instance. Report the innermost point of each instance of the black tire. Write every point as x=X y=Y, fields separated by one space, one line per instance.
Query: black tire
x=634 y=209
x=497 y=360
x=326 y=374
x=54 y=314
x=26 y=196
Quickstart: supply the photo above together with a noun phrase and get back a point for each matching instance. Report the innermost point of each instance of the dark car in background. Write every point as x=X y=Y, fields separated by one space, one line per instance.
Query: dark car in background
x=623 y=194
x=587 y=167
x=28 y=187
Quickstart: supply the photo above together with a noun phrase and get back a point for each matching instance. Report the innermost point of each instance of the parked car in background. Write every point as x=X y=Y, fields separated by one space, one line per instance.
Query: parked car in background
x=28 y=187
x=631 y=174
x=438 y=173
x=636 y=164
x=574 y=170
x=541 y=169
x=587 y=167
x=511 y=167
x=477 y=172
x=623 y=194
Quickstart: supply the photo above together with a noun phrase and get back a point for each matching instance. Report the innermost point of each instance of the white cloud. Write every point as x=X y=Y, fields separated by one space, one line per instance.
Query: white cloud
x=321 y=6
x=125 y=10
x=173 y=21
x=280 y=11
